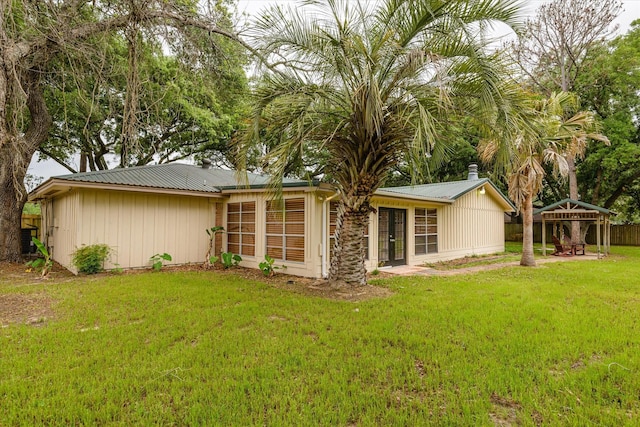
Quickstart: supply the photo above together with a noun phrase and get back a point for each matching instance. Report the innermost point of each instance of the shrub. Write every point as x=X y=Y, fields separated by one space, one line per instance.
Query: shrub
x=157 y=260
x=267 y=266
x=44 y=265
x=230 y=260
x=90 y=259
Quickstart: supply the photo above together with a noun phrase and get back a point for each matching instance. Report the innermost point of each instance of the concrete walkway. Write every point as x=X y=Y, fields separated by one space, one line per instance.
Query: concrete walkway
x=411 y=270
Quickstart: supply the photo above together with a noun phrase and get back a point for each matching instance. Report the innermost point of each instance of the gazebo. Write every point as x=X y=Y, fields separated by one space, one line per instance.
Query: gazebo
x=574 y=210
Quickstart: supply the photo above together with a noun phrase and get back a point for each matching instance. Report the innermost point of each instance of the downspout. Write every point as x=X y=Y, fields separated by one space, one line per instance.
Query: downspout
x=323 y=249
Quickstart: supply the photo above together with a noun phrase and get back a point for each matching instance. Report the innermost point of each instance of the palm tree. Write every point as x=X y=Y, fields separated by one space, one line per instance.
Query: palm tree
x=370 y=83
x=541 y=135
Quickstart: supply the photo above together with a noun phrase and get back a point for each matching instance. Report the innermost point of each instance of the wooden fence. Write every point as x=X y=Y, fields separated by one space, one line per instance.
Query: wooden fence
x=623 y=234
x=31 y=221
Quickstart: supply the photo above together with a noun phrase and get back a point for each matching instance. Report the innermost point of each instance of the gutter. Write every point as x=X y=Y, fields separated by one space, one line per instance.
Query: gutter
x=323 y=245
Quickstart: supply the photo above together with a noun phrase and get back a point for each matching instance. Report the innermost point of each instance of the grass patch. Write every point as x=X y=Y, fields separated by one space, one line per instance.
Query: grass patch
x=554 y=345
x=512 y=253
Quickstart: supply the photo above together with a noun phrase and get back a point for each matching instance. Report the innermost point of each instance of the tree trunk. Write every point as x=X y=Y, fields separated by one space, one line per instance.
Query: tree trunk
x=347 y=263
x=527 y=259
x=16 y=152
x=12 y=200
x=573 y=193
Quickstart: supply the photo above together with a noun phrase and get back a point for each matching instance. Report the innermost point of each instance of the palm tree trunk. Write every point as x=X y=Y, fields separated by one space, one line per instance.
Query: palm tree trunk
x=527 y=259
x=347 y=262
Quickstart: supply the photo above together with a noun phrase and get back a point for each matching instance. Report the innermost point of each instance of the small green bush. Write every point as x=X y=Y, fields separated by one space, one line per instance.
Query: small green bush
x=90 y=259
x=267 y=266
x=44 y=265
x=157 y=261
x=230 y=260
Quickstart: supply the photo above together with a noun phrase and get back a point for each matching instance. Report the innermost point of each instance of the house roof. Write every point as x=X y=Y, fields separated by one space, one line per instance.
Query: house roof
x=445 y=191
x=171 y=176
x=576 y=203
x=178 y=178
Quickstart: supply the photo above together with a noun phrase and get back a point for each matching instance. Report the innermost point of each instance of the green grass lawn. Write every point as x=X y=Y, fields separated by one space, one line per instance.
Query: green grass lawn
x=512 y=253
x=554 y=345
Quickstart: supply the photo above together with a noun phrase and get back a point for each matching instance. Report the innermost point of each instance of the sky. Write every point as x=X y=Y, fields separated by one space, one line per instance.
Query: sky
x=631 y=12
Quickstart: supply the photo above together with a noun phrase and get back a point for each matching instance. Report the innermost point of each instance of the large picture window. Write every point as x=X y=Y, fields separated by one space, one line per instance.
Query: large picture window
x=241 y=228
x=426 y=231
x=333 y=216
x=285 y=230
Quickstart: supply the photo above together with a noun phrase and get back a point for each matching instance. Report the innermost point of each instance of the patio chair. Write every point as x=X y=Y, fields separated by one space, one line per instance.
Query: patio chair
x=561 y=250
x=576 y=249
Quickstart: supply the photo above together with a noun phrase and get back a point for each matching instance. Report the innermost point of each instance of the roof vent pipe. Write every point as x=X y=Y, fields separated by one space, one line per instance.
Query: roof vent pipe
x=473 y=172
x=206 y=164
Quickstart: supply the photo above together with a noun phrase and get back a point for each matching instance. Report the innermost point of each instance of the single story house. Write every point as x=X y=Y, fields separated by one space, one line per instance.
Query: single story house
x=142 y=211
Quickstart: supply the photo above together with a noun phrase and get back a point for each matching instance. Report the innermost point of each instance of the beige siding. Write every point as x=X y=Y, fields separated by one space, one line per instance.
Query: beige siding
x=135 y=225
x=472 y=225
x=313 y=232
x=139 y=225
x=61 y=219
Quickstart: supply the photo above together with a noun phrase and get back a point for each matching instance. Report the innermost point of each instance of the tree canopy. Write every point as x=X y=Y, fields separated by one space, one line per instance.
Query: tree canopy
x=610 y=175
x=370 y=84
x=41 y=39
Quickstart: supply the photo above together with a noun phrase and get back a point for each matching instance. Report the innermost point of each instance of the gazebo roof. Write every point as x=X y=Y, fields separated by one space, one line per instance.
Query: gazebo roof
x=573 y=209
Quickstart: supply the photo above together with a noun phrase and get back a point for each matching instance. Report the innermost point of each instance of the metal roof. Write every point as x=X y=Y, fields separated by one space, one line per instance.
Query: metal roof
x=442 y=190
x=177 y=176
x=558 y=206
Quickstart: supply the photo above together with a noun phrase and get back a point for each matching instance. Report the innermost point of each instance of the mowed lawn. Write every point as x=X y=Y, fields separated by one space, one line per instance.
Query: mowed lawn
x=554 y=345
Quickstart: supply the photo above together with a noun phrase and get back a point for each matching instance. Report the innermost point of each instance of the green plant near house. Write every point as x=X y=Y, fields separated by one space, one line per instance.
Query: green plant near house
x=44 y=264
x=229 y=259
x=157 y=261
x=268 y=267
x=90 y=259
x=210 y=257
x=116 y=269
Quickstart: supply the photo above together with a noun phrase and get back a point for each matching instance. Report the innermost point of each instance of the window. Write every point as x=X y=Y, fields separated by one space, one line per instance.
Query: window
x=241 y=228
x=285 y=230
x=426 y=231
x=333 y=216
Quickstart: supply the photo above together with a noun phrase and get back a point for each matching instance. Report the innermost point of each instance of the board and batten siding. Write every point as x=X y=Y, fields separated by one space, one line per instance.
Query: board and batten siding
x=473 y=225
x=60 y=229
x=136 y=226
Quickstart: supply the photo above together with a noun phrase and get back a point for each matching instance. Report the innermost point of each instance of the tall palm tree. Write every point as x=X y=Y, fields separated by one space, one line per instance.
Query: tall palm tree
x=370 y=83
x=541 y=136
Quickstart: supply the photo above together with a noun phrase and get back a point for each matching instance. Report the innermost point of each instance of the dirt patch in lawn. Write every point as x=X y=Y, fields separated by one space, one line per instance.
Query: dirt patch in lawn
x=314 y=287
x=33 y=309
x=19 y=274
x=505 y=411
x=325 y=289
